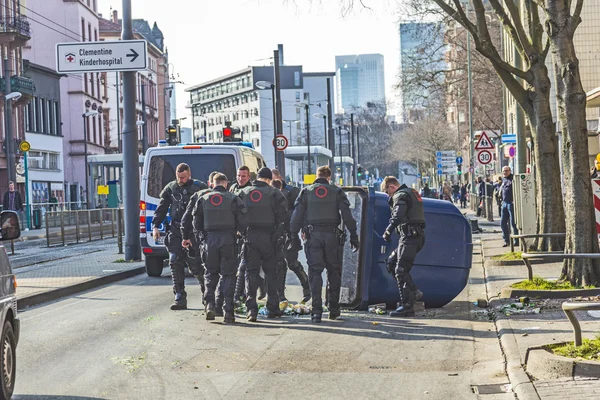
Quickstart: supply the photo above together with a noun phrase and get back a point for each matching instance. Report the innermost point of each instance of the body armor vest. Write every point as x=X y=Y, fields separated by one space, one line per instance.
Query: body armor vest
x=216 y=207
x=181 y=196
x=321 y=205
x=416 y=211
x=259 y=202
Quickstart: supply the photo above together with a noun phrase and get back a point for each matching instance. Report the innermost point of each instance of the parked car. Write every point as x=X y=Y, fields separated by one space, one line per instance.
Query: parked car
x=10 y=230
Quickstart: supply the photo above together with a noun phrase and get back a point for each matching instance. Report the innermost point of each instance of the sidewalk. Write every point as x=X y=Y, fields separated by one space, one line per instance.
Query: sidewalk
x=517 y=333
x=55 y=279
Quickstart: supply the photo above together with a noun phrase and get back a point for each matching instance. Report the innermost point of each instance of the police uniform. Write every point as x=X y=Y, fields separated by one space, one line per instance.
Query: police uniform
x=290 y=260
x=408 y=219
x=317 y=212
x=174 y=199
x=219 y=214
x=267 y=214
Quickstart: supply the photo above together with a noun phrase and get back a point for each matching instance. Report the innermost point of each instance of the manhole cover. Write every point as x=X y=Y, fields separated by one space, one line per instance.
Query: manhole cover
x=491 y=389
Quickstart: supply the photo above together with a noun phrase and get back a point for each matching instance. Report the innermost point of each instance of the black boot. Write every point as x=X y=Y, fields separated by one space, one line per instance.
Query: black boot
x=333 y=315
x=418 y=295
x=403 y=311
x=229 y=318
x=180 y=302
x=316 y=318
x=304 y=282
x=210 y=311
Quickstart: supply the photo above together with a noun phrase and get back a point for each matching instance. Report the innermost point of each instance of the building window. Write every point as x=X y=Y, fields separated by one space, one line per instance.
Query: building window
x=89 y=31
x=43 y=116
x=297 y=96
x=296 y=78
x=54 y=161
x=83 y=29
x=56 y=113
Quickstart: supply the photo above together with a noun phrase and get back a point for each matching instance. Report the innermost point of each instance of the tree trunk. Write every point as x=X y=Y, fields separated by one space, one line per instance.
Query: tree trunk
x=579 y=207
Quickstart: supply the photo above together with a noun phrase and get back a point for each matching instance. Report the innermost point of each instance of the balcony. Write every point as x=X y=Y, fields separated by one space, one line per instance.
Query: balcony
x=19 y=84
x=15 y=30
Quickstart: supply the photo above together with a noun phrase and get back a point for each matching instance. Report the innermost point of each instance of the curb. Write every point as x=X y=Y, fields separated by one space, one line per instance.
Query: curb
x=39 y=298
x=509 y=293
x=521 y=384
x=543 y=364
x=507 y=263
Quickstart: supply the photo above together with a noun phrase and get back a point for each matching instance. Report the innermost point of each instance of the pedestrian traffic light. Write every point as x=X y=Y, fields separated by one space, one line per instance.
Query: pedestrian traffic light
x=459 y=166
x=172 y=135
x=359 y=170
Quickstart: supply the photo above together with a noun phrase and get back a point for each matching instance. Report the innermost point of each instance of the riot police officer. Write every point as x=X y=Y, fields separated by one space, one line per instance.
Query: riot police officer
x=290 y=254
x=218 y=214
x=408 y=219
x=267 y=214
x=317 y=213
x=174 y=199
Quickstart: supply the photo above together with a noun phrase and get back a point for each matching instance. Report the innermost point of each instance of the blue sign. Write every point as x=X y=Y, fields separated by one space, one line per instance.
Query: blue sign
x=509 y=138
x=459 y=160
x=418 y=175
x=440 y=172
x=438 y=153
x=440 y=166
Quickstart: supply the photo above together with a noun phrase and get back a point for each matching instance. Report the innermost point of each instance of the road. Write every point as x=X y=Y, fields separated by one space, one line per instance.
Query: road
x=123 y=342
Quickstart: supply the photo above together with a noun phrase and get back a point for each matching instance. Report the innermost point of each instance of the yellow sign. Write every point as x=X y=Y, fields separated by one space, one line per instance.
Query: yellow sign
x=309 y=179
x=341 y=182
x=24 y=146
x=102 y=189
x=598 y=157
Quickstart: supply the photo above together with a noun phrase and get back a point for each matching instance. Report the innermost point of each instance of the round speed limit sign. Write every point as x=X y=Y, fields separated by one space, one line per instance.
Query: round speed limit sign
x=280 y=143
x=484 y=157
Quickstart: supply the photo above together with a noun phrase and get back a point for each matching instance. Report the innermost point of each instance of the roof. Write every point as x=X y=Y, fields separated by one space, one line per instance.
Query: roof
x=317 y=74
x=217 y=80
x=140 y=26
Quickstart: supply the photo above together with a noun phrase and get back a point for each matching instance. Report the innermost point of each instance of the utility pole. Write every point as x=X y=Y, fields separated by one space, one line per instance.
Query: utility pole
x=307 y=110
x=119 y=145
x=144 y=127
x=355 y=171
x=280 y=156
x=471 y=133
x=330 y=133
x=131 y=179
x=8 y=136
x=357 y=144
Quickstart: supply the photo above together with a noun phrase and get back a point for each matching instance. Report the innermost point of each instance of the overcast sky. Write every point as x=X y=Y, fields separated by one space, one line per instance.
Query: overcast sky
x=207 y=39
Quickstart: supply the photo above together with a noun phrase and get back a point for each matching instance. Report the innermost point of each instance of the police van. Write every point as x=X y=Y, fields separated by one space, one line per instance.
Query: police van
x=159 y=169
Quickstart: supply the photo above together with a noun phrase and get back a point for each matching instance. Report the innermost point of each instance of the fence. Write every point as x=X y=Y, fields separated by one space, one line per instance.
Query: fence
x=84 y=225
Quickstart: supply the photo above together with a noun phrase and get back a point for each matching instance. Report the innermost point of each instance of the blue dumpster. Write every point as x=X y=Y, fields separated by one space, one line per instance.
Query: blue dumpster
x=441 y=269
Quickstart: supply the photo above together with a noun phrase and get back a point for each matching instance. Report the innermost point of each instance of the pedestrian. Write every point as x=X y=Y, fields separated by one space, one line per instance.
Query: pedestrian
x=317 y=213
x=426 y=191
x=594 y=172
x=507 y=218
x=291 y=255
x=173 y=200
x=219 y=214
x=498 y=194
x=12 y=199
x=53 y=202
x=480 y=197
x=244 y=180
x=489 y=196
x=408 y=219
x=463 y=195
x=197 y=240
x=267 y=216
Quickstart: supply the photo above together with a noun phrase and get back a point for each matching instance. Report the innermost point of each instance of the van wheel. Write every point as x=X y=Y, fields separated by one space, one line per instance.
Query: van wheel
x=154 y=266
x=8 y=360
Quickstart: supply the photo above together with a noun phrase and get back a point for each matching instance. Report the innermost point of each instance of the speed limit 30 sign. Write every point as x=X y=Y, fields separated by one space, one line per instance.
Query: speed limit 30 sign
x=280 y=143
x=484 y=157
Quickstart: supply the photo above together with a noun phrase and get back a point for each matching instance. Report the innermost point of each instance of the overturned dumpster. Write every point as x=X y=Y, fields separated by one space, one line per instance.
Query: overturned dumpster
x=441 y=269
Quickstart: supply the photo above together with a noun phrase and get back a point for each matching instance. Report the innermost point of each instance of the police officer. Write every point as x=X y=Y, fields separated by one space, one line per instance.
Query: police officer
x=317 y=213
x=408 y=219
x=174 y=199
x=218 y=214
x=291 y=254
x=187 y=231
x=243 y=181
x=267 y=214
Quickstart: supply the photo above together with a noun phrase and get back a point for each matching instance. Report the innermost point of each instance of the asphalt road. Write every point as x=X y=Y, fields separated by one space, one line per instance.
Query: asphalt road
x=123 y=342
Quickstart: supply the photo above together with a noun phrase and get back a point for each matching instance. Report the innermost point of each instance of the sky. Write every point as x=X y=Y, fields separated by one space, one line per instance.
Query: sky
x=207 y=39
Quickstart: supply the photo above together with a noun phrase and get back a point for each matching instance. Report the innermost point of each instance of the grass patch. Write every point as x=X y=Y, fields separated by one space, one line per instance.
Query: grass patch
x=589 y=349
x=539 y=283
x=512 y=256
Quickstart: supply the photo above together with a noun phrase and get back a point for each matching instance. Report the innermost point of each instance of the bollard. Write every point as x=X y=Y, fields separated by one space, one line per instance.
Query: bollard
x=112 y=222
x=101 y=224
x=77 y=227
x=120 y=230
x=89 y=218
x=47 y=231
x=62 y=228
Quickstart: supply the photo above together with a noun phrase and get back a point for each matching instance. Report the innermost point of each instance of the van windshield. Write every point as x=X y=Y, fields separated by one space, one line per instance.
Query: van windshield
x=162 y=168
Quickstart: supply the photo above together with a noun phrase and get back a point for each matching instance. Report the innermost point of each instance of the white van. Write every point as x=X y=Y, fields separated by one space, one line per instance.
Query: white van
x=159 y=169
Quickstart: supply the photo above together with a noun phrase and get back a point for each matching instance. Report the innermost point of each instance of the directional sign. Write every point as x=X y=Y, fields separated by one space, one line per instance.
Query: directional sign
x=484 y=142
x=459 y=160
x=280 y=142
x=484 y=157
x=121 y=55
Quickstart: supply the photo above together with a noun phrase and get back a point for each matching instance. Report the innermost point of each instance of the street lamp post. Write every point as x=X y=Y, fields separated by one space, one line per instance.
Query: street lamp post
x=324 y=117
x=262 y=85
x=290 y=121
x=8 y=137
x=85 y=150
x=307 y=111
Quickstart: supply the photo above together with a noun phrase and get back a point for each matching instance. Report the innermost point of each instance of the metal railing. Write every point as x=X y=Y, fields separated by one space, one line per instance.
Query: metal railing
x=79 y=225
x=17 y=24
x=553 y=256
x=569 y=308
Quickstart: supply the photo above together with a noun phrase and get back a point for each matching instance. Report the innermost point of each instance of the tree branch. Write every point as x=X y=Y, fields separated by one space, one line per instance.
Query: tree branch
x=535 y=26
x=516 y=18
x=508 y=25
x=576 y=18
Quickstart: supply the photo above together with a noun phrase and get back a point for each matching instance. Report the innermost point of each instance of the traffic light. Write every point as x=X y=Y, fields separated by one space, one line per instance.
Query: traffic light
x=459 y=166
x=359 y=170
x=231 y=134
x=172 y=135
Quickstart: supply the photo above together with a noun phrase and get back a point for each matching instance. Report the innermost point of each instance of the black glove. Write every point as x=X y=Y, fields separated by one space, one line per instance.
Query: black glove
x=295 y=244
x=354 y=243
x=387 y=236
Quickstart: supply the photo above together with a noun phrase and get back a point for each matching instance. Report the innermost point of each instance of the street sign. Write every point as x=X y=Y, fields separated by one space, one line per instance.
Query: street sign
x=459 y=160
x=24 y=146
x=484 y=157
x=440 y=172
x=507 y=138
x=280 y=143
x=120 y=55
x=512 y=151
x=484 y=143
